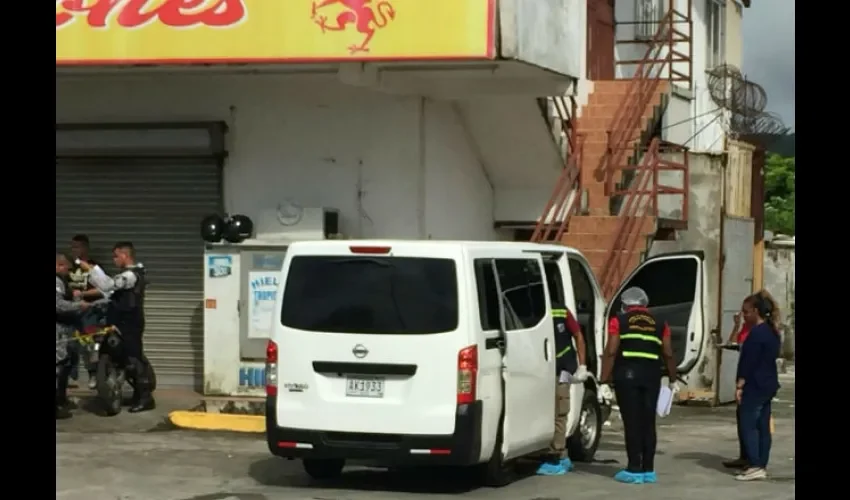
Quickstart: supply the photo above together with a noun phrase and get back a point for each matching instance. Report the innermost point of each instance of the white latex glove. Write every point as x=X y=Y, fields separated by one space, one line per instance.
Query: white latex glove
x=606 y=394
x=675 y=387
x=581 y=374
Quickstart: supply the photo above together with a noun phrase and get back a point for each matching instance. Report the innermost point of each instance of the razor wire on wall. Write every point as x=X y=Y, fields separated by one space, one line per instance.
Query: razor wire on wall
x=745 y=102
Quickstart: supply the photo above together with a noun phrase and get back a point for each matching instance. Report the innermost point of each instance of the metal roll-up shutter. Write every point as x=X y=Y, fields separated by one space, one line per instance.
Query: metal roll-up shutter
x=156 y=203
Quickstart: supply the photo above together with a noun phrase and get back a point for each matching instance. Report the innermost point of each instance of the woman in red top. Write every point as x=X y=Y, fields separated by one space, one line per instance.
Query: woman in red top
x=737 y=337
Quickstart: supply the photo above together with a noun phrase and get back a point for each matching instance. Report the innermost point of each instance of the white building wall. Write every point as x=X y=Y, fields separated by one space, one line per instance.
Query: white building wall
x=708 y=122
x=394 y=166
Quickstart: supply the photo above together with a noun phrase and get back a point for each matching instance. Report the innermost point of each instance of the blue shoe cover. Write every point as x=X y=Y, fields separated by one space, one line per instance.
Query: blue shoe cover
x=550 y=469
x=567 y=464
x=627 y=477
x=650 y=477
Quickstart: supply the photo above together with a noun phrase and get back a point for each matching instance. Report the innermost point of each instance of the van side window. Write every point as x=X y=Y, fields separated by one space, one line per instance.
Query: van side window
x=521 y=281
x=554 y=281
x=582 y=288
x=488 y=295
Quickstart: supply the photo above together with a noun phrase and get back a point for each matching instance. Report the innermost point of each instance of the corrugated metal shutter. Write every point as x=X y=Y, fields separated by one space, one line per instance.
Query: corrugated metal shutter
x=158 y=205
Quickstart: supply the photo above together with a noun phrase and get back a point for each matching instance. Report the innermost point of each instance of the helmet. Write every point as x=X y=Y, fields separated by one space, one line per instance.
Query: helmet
x=212 y=228
x=238 y=228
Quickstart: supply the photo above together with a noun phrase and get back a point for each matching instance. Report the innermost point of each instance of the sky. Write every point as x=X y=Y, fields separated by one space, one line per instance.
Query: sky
x=768 y=41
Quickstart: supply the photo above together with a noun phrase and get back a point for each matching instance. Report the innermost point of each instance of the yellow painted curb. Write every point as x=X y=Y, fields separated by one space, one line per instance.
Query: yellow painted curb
x=218 y=421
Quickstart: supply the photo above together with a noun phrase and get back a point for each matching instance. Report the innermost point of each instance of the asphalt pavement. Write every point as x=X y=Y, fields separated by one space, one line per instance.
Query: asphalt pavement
x=141 y=457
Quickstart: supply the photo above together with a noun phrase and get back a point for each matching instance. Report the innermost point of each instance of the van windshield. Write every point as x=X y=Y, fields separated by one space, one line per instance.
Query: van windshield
x=377 y=295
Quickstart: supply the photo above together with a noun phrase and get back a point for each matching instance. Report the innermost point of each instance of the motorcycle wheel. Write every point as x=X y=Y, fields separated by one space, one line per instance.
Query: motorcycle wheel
x=109 y=386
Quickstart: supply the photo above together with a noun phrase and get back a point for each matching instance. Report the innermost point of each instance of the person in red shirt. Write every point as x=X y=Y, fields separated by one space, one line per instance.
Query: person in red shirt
x=636 y=346
x=739 y=333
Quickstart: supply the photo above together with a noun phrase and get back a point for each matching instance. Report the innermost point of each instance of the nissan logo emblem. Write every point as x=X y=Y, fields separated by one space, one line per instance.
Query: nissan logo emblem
x=360 y=351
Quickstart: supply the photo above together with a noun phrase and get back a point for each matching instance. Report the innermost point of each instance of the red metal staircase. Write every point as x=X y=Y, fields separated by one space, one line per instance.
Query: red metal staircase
x=616 y=159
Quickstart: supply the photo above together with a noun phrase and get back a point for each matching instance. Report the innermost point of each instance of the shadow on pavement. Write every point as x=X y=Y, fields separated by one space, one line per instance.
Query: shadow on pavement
x=602 y=468
x=620 y=448
x=421 y=480
x=706 y=460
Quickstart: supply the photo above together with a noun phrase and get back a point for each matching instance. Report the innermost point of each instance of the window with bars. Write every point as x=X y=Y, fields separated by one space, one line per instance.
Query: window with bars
x=716 y=33
x=649 y=13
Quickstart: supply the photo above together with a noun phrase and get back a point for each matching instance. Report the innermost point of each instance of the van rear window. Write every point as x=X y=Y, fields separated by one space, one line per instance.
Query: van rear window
x=375 y=295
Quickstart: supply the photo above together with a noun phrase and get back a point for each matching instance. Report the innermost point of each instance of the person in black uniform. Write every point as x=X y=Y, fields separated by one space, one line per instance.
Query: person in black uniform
x=570 y=367
x=636 y=345
x=126 y=310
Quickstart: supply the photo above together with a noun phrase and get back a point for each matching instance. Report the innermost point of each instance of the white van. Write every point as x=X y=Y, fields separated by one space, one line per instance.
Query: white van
x=401 y=352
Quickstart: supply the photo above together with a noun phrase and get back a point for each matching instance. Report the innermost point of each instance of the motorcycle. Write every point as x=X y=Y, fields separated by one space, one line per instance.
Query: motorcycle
x=103 y=349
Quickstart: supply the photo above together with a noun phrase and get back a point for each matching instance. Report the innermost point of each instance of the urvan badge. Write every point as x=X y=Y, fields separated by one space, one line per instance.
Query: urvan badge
x=360 y=351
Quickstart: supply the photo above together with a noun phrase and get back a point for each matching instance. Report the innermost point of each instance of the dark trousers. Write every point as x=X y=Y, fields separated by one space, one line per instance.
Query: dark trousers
x=134 y=349
x=754 y=429
x=63 y=372
x=742 y=453
x=79 y=354
x=638 y=401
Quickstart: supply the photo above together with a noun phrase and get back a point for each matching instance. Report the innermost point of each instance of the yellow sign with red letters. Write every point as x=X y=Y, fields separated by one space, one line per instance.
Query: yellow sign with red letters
x=105 y=32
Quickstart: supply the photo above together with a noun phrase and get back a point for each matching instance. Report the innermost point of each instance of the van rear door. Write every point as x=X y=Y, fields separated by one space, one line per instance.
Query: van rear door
x=369 y=337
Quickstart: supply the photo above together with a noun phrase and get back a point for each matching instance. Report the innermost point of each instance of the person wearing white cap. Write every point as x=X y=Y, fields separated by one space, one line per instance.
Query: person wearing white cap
x=632 y=362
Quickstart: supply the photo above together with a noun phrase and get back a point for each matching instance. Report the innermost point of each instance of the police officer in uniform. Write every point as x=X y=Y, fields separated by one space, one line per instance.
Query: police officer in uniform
x=570 y=367
x=126 y=310
x=68 y=313
x=636 y=345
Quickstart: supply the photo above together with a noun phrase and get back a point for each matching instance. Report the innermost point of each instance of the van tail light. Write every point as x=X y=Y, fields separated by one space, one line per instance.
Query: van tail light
x=467 y=374
x=271 y=369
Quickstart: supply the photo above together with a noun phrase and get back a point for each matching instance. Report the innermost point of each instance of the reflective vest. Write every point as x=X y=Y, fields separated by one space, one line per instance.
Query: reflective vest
x=565 y=354
x=640 y=340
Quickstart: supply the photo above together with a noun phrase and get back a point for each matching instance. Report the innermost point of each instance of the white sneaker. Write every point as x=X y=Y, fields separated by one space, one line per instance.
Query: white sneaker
x=92 y=384
x=752 y=474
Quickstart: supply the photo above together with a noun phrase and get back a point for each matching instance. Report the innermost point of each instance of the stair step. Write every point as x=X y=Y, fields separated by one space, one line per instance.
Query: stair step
x=598 y=258
x=606 y=224
x=611 y=86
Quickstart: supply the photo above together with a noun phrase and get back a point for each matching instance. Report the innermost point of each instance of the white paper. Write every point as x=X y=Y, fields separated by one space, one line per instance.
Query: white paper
x=665 y=402
x=565 y=377
x=261 y=311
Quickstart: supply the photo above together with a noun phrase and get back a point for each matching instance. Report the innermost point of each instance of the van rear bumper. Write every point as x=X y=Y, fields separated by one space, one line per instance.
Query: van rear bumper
x=463 y=447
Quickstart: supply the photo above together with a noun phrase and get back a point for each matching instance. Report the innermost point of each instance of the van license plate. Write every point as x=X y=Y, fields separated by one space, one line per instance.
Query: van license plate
x=364 y=387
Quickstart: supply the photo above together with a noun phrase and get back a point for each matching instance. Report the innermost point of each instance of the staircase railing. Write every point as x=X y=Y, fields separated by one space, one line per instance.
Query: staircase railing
x=641 y=196
x=626 y=124
x=642 y=206
x=565 y=197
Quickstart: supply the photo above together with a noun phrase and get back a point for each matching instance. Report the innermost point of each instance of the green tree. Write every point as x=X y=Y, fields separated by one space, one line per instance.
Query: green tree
x=779 y=194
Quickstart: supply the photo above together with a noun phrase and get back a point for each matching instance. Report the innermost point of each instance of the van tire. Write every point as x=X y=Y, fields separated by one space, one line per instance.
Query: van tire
x=323 y=469
x=498 y=472
x=581 y=449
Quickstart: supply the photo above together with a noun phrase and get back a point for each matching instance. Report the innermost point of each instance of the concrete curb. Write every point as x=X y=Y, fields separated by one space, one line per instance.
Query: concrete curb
x=218 y=421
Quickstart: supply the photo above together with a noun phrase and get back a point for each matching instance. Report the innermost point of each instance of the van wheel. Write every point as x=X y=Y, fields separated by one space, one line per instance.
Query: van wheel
x=498 y=472
x=582 y=445
x=324 y=469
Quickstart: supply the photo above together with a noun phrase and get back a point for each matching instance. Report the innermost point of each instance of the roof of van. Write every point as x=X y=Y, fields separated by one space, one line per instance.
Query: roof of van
x=539 y=247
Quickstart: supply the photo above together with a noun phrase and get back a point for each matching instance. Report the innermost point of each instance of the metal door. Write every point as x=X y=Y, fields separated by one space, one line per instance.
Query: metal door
x=600 y=39
x=736 y=285
x=157 y=206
